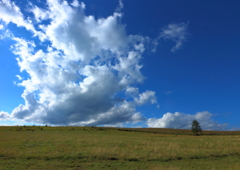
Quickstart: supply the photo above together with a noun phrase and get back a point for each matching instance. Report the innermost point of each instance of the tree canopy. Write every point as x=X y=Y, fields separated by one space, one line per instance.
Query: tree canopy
x=196 y=128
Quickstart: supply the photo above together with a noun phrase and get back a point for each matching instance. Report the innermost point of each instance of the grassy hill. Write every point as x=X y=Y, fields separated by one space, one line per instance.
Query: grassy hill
x=35 y=147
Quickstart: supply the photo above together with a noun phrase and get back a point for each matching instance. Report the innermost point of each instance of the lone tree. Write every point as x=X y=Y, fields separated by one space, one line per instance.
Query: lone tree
x=196 y=128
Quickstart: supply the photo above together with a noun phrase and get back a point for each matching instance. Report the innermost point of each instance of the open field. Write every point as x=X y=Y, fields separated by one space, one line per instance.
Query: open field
x=79 y=148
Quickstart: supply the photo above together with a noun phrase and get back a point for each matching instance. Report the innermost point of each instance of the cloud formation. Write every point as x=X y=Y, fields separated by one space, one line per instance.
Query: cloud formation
x=10 y=13
x=179 y=120
x=81 y=67
x=4 y=115
x=176 y=32
x=83 y=70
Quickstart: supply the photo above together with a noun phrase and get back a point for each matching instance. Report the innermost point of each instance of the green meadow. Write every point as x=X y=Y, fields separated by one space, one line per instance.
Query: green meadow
x=80 y=148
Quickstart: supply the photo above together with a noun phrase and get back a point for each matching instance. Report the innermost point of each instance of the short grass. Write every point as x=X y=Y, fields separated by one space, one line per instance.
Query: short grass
x=80 y=148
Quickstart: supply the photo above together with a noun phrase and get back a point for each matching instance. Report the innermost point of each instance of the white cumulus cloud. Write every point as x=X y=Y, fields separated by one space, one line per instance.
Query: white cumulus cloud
x=179 y=120
x=4 y=116
x=83 y=71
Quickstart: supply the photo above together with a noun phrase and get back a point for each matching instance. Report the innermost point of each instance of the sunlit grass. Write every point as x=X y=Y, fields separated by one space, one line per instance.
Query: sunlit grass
x=90 y=147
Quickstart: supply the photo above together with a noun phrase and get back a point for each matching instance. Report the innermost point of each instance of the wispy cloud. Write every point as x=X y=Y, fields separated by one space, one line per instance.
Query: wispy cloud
x=5 y=33
x=12 y=13
x=179 y=120
x=176 y=32
x=19 y=77
x=120 y=6
x=168 y=92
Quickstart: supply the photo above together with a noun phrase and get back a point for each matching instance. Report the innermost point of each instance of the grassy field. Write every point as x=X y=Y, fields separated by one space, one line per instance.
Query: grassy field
x=79 y=148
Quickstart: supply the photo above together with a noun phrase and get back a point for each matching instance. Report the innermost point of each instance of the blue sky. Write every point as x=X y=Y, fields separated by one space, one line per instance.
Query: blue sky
x=120 y=63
